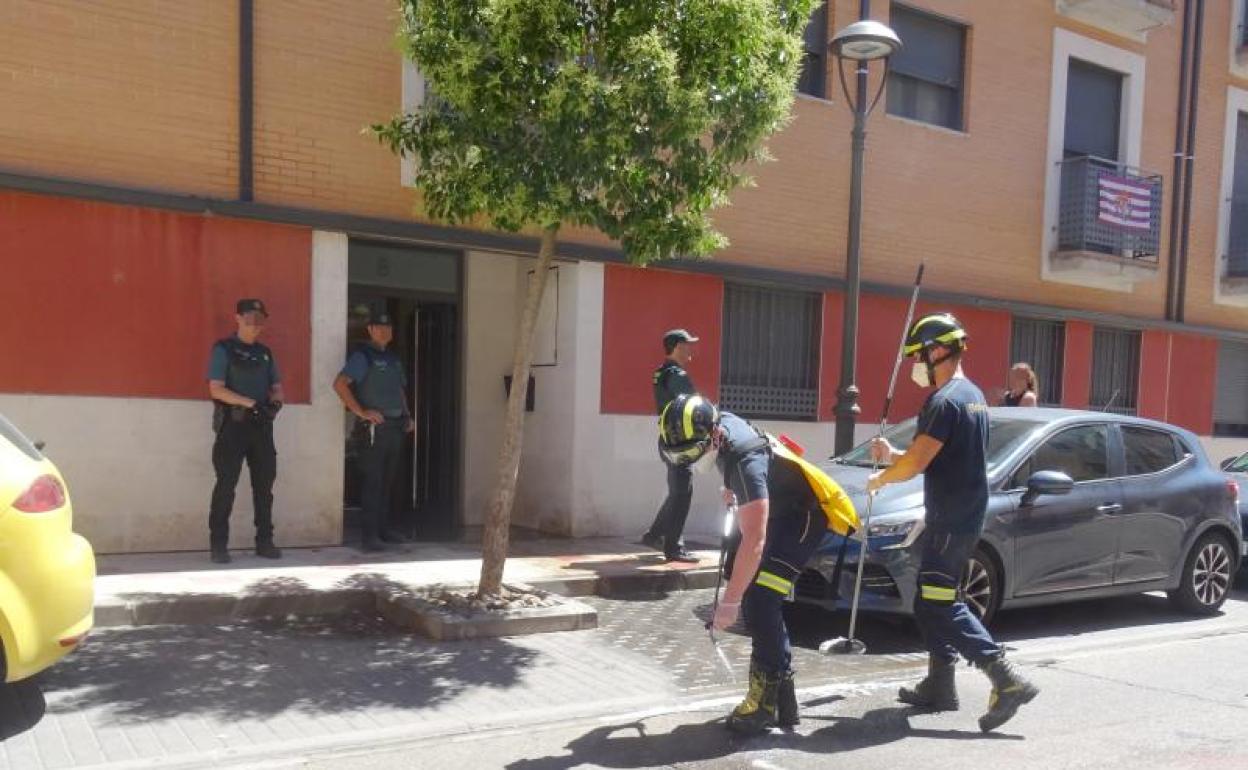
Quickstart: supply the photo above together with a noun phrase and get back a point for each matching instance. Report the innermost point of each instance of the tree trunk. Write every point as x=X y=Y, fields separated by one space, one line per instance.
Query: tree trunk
x=498 y=515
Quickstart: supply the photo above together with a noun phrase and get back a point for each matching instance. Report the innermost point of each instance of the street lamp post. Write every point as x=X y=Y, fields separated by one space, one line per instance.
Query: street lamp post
x=862 y=42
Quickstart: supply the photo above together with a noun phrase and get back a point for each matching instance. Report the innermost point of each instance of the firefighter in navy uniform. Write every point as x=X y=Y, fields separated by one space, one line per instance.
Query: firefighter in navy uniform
x=785 y=507
x=246 y=390
x=373 y=387
x=671 y=380
x=949 y=449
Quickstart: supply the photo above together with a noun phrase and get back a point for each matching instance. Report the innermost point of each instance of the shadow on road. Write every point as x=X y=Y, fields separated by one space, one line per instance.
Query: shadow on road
x=21 y=707
x=631 y=745
x=261 y=668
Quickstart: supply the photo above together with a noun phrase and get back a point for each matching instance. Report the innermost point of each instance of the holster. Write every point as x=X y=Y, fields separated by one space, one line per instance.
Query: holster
x=221 y=413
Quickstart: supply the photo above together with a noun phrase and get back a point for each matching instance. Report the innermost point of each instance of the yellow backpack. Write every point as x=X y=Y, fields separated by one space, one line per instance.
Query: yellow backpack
x=836 y=505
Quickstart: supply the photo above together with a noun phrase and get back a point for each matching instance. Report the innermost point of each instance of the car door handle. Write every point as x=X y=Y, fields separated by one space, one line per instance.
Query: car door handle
x=1109 y=508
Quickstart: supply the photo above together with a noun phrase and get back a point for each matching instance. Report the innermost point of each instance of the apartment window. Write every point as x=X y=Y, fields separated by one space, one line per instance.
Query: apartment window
x=1093 y=111
x=1043 y=345
x=1237 y=241
x=1230 y=404
x=814 y=56
x=1115 y=370
x=925 y=79
x=770 y=366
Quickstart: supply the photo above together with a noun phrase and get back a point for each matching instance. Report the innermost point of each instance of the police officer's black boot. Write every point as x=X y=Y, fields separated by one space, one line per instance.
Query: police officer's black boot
x=1009 y=691
x=265 y=549
x=937 y=691
x=757 y=713
x=786 y=701
x=220 y=555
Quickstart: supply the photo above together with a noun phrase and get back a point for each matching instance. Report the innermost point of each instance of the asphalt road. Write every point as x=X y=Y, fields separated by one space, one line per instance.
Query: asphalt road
x=1125 y=683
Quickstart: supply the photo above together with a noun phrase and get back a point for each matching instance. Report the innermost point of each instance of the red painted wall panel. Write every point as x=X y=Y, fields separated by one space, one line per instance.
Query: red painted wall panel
x=1193 y=378
x=1077 y=366
x=1155 y=373
x=108 y=300
x=987 y=360
x=638 y=306
x=830 y=354
x=880 y=327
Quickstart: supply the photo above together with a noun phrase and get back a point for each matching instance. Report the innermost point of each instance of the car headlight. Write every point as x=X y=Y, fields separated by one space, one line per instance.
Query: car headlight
x=908 y=531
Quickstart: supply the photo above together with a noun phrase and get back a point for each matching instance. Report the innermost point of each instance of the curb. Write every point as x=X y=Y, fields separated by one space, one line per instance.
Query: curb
x=210 y=609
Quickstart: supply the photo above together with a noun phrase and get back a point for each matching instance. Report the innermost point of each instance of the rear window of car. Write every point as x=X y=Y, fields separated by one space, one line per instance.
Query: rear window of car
x=18 y=439
x=1148 y=450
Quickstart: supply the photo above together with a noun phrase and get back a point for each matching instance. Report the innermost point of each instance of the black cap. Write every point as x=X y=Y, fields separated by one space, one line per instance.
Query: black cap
x=251 y=306
x=379 y=318
x=675 y=336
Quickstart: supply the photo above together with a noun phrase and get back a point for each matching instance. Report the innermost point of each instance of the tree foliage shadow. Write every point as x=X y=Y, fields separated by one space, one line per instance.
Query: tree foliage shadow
x=263 y=666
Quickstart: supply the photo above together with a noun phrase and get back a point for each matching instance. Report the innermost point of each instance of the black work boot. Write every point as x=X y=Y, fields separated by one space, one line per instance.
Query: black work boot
x=266 y=550
x=937 y=691
x=786 y=702
x=220 y=555
x=757 y=713
x=1009 y=691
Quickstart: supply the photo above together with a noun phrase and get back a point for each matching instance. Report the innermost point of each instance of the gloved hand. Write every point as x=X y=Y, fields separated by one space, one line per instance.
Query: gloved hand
x=269 y=409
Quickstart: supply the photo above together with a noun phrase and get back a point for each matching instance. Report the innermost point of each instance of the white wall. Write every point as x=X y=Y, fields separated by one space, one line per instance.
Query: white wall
x=139 y=470
x=585 y=473
x=489 y=318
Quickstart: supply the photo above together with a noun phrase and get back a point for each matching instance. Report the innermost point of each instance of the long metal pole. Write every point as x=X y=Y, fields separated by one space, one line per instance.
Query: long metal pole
x=847 y=392
x=854 y=644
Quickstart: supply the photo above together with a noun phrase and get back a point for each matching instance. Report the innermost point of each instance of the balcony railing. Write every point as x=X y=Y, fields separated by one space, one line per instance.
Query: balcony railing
x=1109 y=208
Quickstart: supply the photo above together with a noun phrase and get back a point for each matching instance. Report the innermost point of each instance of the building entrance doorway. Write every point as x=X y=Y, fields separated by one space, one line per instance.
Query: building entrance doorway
x=419 y=289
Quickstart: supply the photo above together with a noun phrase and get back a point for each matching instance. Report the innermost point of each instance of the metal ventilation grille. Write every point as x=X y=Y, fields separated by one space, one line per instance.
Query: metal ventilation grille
x=770 y=364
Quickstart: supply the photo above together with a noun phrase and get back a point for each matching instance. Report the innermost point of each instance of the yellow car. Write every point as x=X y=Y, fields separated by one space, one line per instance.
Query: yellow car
x=47 y=573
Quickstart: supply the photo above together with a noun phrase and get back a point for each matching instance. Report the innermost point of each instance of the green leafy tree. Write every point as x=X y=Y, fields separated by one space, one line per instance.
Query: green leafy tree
x=632 y=117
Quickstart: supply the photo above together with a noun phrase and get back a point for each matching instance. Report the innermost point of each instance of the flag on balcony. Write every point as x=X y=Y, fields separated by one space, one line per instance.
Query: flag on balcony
x=1124 y=201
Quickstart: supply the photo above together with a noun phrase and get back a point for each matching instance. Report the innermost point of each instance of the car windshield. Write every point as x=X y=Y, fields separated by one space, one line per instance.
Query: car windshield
x=1238 y=465
x=1004 y=434
x=15 y=437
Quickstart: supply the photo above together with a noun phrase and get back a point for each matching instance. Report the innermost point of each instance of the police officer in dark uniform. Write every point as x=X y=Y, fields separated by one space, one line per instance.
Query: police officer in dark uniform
x=782 y=519
x=373 y=387
x=671 y=380
x=246 y=390
x=949 y=449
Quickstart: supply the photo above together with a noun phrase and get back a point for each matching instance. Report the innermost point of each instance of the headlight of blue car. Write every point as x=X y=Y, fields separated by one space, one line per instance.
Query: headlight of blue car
x=896 y=535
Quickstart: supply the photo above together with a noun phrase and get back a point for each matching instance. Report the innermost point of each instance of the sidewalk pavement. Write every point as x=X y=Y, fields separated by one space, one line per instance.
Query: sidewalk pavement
x=177 y=588
x=214 y=666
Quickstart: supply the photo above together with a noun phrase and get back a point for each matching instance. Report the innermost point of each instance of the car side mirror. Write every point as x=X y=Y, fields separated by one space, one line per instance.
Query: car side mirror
x=1047 y=483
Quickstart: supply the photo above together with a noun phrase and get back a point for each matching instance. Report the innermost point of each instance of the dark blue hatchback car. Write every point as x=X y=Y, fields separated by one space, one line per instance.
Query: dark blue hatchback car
x=1082 y=505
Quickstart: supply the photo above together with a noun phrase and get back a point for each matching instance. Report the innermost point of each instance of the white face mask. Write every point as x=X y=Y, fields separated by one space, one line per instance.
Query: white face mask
x=919 y=374
x=706 y=462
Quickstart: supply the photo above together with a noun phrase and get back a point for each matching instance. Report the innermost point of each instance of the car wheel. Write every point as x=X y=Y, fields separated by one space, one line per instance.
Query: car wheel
x=981 y=588
x=1206 y=578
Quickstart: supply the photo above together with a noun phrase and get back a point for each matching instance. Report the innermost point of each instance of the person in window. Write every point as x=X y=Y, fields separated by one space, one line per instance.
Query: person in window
x=671 y=380
x=1022 y=388
x=949 y=449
